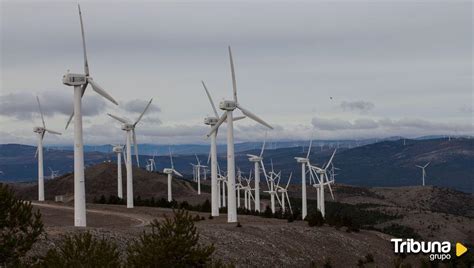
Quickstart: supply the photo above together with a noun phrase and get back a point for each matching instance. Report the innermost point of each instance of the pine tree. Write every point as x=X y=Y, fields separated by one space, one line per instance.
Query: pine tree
x=20 y=228
x=171 y=243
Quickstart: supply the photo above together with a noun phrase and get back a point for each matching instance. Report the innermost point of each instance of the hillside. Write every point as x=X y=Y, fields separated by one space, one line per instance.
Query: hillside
x=101 y=180
x=382 y=164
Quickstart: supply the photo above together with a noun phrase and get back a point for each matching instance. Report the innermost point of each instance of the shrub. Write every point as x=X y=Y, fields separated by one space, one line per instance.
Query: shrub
x=315 y=218
x=82 y=250
x=171 y=243
x=19 y=227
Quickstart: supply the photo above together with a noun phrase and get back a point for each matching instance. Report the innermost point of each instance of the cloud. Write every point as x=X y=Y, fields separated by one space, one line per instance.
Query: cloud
x=137 y=106
x=357 y=106
x=336 y=124
x=23 y=105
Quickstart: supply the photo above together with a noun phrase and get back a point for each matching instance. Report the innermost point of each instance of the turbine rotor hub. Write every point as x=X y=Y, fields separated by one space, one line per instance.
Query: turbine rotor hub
x=227 y=105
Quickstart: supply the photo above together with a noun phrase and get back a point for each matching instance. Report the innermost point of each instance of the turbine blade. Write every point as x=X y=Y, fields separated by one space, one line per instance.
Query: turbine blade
x=237 y=118
x=234 y=83
x=309 y=148
x=263 y=145
x=41 y=111
x=210 y=99
x=101 y=91
x=330 y=160
x=52 y=131
x=144 y=111
x=86 y=65
x=171 y=158
x=122 y=120
x=36 y=153
x=330 y=190
x=216 y=126
x=289 y=179
x=427 y=164
x=177 y=173
x=253 y=116
x=135 y=145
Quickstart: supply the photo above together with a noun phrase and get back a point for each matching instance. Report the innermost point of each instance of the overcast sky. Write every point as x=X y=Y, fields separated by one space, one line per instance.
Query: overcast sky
x=330 y=70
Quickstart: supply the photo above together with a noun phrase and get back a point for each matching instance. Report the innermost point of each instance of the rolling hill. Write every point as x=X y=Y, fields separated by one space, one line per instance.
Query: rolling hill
x=384 y=164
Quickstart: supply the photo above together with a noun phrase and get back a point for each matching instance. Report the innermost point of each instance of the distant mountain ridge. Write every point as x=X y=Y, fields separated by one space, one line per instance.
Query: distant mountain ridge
x=387 y=163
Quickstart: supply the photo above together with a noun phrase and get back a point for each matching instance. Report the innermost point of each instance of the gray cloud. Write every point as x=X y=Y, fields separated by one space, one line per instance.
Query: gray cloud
x=357 y=106
x=137 y=106
x=23 y=105
x=336 y=124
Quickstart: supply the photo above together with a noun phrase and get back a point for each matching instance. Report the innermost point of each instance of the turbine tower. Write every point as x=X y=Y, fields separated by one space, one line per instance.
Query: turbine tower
x=80 y=82
x=423 y=172
x=257 y=160
x=229 y=106
x=304 y=162
x=170 y=172
x=130 y=135
x=41 y=131
x=118 y=149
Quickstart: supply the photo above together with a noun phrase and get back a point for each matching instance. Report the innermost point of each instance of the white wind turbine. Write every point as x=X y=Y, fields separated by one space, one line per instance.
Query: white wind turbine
x=118 y=149
x=80 y=82
x=257 y=160
x=229 y=106
x=54 y=173
x=151 y=166
x=197 y=173
x=129 y=128
x=321 y=174
x=215 y=181
x=272 y=186
x=304 y=162
x=423 y=171
x=284 y=195
x=41 y=131
x=248 y=193
x=170 y=172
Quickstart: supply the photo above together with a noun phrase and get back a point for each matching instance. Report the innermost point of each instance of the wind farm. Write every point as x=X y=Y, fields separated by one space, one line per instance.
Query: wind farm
x=332 y=157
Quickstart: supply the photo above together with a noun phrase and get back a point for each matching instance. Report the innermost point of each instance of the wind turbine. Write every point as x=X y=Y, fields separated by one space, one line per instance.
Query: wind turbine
x=170 y=172
x=271 y=178
x=80 y=82
x=304 y=162
x=130 y=135
x=229 y=106
x=423 y=172
x=54 y=173
x=323 y=179
x=41 y=131
x=284 y=195
x=151 y=166
x=257 y=160
x=215 y=182
x=197 y=169
x=118 y=149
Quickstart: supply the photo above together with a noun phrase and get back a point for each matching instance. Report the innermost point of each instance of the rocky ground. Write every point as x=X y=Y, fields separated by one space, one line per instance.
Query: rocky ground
x=259 y=242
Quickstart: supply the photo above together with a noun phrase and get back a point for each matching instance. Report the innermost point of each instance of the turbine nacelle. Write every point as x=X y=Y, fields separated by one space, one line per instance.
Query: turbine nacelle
x=254 y=158
x=117 y=149
x=302 y=160
x=39 y=130
x=168 y=171
x=228 y=105
x=211 y=121
x=128 y=127
x=74 y=79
